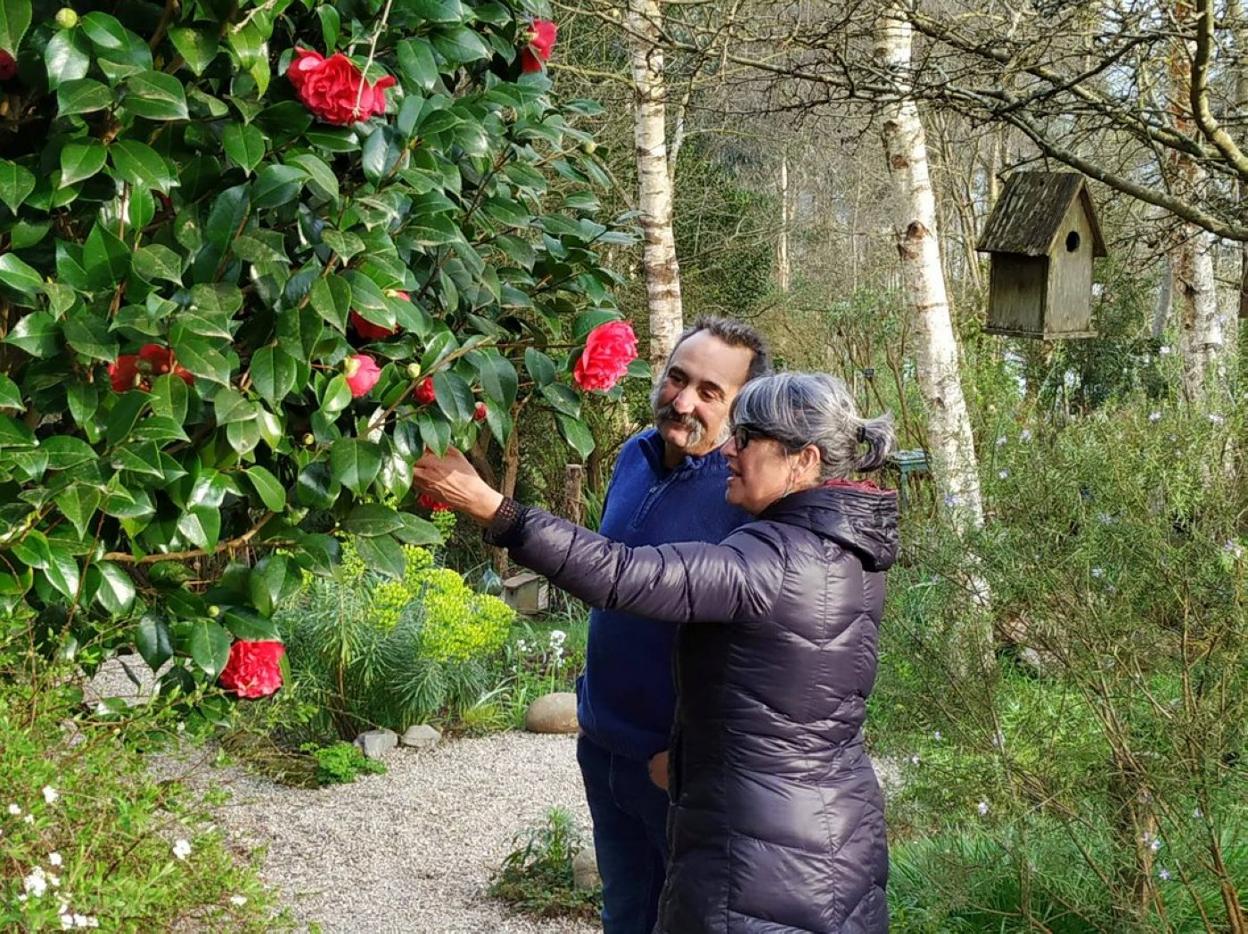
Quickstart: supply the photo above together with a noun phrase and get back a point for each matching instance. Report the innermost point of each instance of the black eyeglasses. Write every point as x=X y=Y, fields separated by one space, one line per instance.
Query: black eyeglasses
x=745 y=433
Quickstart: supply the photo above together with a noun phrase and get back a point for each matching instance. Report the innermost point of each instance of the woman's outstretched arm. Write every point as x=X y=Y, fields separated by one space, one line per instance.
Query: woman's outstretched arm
x=691 y=581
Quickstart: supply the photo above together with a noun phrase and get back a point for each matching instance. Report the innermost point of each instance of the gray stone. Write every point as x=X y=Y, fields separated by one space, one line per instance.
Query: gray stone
x=376 y=743
x=420 y=736
x=585 y=870
x=552 y=713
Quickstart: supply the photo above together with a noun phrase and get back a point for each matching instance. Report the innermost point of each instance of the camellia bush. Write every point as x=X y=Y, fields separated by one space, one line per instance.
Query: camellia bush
x=254 y=259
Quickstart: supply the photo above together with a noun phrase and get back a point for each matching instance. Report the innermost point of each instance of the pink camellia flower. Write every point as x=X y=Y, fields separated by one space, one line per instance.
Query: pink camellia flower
x=541 y=44
x=609 y=349
x=135 y=371
x=254 y=669
x=362 y=374
x=330 y=87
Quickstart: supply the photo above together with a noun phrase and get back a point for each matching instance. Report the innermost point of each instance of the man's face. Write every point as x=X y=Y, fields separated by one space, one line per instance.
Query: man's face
x=691 y=403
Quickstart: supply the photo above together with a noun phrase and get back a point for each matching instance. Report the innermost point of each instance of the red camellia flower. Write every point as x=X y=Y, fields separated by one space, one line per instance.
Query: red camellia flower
x=425 y=393
x=369 y=331
x=254 y=669
x=375 y=332
x=330 y=87
x=541 y=44
x=8 y=67
x=609 y=349
x=135 y=371
x=480 y=412
x=432 y=503
x=362 y=374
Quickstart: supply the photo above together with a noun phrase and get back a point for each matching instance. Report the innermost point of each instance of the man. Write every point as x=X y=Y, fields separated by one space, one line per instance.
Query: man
x=668 y=486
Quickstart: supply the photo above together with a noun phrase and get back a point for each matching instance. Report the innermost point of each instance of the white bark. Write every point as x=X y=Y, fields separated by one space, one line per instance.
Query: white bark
x=653 y=181
x=949 y=427
x=782 y=245
x=1202 y=332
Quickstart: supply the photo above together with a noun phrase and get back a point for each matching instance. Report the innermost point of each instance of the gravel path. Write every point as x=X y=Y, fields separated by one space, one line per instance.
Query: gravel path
x=409 y=851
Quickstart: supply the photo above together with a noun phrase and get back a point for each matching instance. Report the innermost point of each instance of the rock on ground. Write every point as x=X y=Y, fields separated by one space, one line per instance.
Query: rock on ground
x=410 y=851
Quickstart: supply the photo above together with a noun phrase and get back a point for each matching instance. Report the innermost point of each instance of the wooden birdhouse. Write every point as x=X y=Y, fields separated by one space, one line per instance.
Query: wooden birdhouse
x=527 y=593
x=1042 y=235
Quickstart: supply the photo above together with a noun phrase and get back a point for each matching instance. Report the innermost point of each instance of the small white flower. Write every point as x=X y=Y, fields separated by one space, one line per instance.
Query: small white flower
x=1154 y=416
x=951 y=499
x=1001 y=441
x=67 y=921
x=1197 y=813
x=1155 y=845
x=1104 y=518
x=36 y=883
x=14 y=810
x=1003 y=473
x=1024 y=435
x=28 y=819
x=54 y=858
x=1216 y=418
x=181 y=726
x=1163 y=350
x=914 y=760
x=55 y=880
x=1234 y=549
x=1098 y=572
x=1163 y=874
x=238 y=901
x=936 y=736
x=50 y=794
x=181 y=849
x=998 y=740
x=101 y=709
x=982 y=808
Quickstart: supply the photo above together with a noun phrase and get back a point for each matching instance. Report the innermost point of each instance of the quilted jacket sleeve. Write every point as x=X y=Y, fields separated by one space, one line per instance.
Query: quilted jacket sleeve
x=738 y=579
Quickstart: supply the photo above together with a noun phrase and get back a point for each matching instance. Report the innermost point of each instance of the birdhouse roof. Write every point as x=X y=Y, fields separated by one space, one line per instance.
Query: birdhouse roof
x=1028 y=216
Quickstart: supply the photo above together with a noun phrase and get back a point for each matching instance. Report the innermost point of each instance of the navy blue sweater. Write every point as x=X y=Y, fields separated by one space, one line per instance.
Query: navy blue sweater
x=626 y=698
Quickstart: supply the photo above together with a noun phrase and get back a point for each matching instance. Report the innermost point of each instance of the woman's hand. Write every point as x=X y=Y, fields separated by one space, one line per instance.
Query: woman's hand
x=658 y=769
x=453 y=480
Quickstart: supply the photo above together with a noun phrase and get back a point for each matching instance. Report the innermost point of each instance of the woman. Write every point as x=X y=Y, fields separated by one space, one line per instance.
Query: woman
x=777 y=822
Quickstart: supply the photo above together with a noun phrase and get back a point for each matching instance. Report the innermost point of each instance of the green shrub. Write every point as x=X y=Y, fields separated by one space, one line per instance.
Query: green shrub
x=86 y=831
x=1106 y=745
x=197 y=262
x=536 y=877
x=369 y=652
x=342 y=763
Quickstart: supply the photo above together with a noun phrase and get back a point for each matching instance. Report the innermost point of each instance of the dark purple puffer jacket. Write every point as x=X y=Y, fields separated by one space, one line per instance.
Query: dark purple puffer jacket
x=777 y=823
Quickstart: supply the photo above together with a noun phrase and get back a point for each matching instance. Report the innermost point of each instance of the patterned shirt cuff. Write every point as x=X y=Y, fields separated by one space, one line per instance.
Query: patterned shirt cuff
x=504 y=528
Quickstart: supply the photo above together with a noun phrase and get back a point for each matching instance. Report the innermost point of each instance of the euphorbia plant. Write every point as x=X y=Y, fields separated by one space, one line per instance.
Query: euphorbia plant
x=255 y=257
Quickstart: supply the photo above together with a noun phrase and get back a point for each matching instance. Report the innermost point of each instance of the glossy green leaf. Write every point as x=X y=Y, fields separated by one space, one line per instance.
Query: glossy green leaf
x=267 y=487
x=417 y=63
x=67 y=57
x=154 y=95
x=383 y=555
x=244 y=144
x=17 y=274
x=354 y=463
x=14 y=21
x=576 y=434
x=153 y=641
x=331 y=299
x=62 y=571
x=16 y=183
x=249 y=625
x=105 y=258
x=273 y=371
x=82 y=95
x=10 y=395
x=81 y=160
x=156 y=262
x=116 y=590
x=198 y=47
x=209 y=647
x=140 y=165
x=370 y=519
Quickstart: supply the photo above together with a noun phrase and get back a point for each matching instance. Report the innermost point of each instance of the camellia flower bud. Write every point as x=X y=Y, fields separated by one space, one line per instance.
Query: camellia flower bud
x=480 y=412
x=362 y=373
x=413 y=370
x=66 y=18
x=309 y=439
x=425 y=393
x=589 y=147
x=214 y=611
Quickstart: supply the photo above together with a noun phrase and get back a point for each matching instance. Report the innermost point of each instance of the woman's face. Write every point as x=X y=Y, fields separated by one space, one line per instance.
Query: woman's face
x=763 y=471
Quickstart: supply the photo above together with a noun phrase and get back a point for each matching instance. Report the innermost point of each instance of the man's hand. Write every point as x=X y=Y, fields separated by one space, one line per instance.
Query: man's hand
x=454 y=481
x=658 y=769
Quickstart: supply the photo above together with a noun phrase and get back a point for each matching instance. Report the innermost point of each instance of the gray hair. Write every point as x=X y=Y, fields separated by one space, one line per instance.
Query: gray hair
x=798 y=409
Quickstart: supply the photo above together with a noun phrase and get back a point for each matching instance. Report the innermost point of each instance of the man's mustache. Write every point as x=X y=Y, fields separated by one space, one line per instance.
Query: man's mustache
x=668 y=413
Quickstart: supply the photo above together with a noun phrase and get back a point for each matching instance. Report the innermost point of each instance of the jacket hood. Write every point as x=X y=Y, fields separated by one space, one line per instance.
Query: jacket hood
x=859 y=517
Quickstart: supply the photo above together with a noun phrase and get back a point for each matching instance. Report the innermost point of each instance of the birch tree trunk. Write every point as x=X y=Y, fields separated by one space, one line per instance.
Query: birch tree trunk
x=948 y=424
x=782 y=245
x=654 y=184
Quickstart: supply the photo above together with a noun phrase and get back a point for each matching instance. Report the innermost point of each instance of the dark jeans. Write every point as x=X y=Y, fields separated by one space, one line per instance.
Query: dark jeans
x=630 y=837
